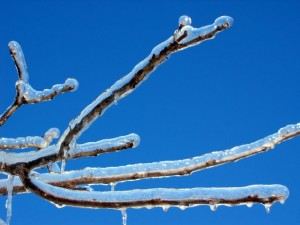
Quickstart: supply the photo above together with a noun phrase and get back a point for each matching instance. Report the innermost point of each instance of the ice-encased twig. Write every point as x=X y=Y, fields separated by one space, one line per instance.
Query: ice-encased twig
x=25 y=93
x=189 y=37
x=22 y=142
x=133 y=172
x=265 y=194
x=30 y=141
x=38 y=158
x=104 y=146
x=17 y=54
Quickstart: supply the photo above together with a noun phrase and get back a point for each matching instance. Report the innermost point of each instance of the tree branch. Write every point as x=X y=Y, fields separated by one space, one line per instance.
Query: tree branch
x=265 y=194
x=25 y=93
x=10 y=161
x=157 y=169
x=185 y=36
x=30 y=141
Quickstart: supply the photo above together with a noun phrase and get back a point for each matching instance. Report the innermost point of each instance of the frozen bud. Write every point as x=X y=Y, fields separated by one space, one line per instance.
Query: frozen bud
x=53 y=132
x=72 y=83
x=226 y=21
x=185 y=20
x=50 y=135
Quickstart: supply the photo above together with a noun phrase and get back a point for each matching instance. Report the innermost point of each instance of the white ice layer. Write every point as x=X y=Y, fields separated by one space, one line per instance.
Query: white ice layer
x=105 y=144
x=50 y=135
x=185 y=20
x=22 y=142
x=32 y=95
x=172 y=167
x=10 y=158
x=193 y=33
x=209 y=194
x=165 y=167
x=2 y=222
x=19 y=56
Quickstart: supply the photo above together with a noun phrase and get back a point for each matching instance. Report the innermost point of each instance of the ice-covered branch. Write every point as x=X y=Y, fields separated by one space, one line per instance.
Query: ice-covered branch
x=157 y=169
x=30 y=141
x=25 y=93
x=184 y=37
x=33 y=159
x=160 y=197
x=104 y=146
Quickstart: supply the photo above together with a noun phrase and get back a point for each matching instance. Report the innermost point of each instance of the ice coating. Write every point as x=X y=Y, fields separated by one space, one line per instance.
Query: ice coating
x=223 y=20
x=19 y=58
x=266 y=194
x=156 y=169
x=51 y=134
x=185 y=20
x=2 y=222
x=109 y=92
x=31 y=95
x=22 y=142
x=8 y=205
x=73 y=83
x=104 y=145
x=186 y=37
x=190 y=33
x=186 y=166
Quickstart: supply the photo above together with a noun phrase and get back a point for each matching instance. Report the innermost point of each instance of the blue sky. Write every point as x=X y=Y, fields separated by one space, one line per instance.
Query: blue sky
x=235 y=89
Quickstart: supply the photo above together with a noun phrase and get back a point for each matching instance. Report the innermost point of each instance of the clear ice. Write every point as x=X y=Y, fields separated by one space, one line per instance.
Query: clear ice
x=16 y=50
x=185 y=20
x=124 y=216
x=8 y=205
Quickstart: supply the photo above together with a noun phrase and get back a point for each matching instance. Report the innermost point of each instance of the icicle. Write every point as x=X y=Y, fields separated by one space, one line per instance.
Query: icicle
x=282 y=201
x=59 y=206
x=213 y=207
x=8 y=205
x=165 y=208
x=63 y=166
x=124 y=216
x=116 y=99
x=64 y=160
x=183 y=207
x=250 y=204
x=268 y=207
x=113 y=186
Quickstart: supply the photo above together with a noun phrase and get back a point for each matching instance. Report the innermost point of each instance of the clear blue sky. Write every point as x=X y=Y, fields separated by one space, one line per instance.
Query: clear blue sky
x=235 y=89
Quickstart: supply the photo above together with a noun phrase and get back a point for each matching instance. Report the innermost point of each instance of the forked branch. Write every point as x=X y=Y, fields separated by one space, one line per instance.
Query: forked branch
x=25 y=93
x=62 y=188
